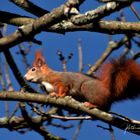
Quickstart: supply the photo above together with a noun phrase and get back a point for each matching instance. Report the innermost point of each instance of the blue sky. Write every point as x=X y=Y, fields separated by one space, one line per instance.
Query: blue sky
x=93 y=45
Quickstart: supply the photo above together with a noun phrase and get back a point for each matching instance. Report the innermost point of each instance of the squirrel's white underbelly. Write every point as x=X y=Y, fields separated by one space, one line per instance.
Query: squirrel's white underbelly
x=48 y=86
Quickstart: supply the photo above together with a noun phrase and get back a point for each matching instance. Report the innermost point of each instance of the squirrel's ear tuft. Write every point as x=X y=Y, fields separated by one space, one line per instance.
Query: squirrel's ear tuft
x=40 y=63
x=39 y=59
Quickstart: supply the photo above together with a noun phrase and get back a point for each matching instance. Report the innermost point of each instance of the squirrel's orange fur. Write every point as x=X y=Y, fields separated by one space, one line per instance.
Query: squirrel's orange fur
x=118 y=80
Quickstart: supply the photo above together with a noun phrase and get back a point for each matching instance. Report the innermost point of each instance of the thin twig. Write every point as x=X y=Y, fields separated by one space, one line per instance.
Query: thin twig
x=62 y=126
x=37 y=127
x=111 y=132
x=71 y=117
x=136 y=56
x=16 y=71
x=9 y=88
x=120 y=115
x=3 y=84
x=111 y=47
x=77 y=130
x=134 y=11
x=23 y=53
x=110 y=129
x=63 y=60
x=7 y=76
x=80 y=52
x=14 y=112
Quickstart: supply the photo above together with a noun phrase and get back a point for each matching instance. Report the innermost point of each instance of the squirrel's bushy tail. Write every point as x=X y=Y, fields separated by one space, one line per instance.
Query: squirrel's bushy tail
x=122 y=76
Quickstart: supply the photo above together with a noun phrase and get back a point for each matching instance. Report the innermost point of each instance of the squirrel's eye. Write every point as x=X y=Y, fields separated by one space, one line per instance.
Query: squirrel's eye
x=33 y=69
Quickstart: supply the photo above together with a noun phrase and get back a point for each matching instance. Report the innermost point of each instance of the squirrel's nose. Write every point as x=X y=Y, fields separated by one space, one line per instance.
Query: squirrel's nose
x=25 y=77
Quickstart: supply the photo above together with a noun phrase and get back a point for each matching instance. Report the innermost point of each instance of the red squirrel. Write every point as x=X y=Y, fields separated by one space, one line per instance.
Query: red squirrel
x=117 y=80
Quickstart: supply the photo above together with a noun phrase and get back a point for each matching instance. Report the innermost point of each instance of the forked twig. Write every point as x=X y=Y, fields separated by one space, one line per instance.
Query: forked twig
x=111 y=47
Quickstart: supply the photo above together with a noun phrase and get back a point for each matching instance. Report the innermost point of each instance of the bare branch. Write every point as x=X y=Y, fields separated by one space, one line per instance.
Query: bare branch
x=27 y=32
x=68 y=102
x=67 y=118
x=7 y=76
x=16 y=71
x=102 y=26
x=2 y=82
x=77 y=130
x=100 y=12
x=14 y=19
x=112 y=46
x=37 y=127
x=121 y=1
x=44 y=110
x=134 y=11
x=80 y=53
x=30 y=7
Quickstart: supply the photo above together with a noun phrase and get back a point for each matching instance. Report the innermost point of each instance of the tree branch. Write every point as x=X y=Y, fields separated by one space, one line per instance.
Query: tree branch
x=27 y=32
x=102 y=26
x=36 y=126
x=69 y=103
x=30 y=7
x=100 y=12
x=14 y=19
x=112 y=46
x=16 y=71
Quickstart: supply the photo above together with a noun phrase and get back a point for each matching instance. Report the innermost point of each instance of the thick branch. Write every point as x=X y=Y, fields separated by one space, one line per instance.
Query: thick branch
x=114 y=0
x=103 y=26
x=68 y=102
x=17 y=123
x=30 y=7
x=14 y=19
x=28 y=31
x=100 y=12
